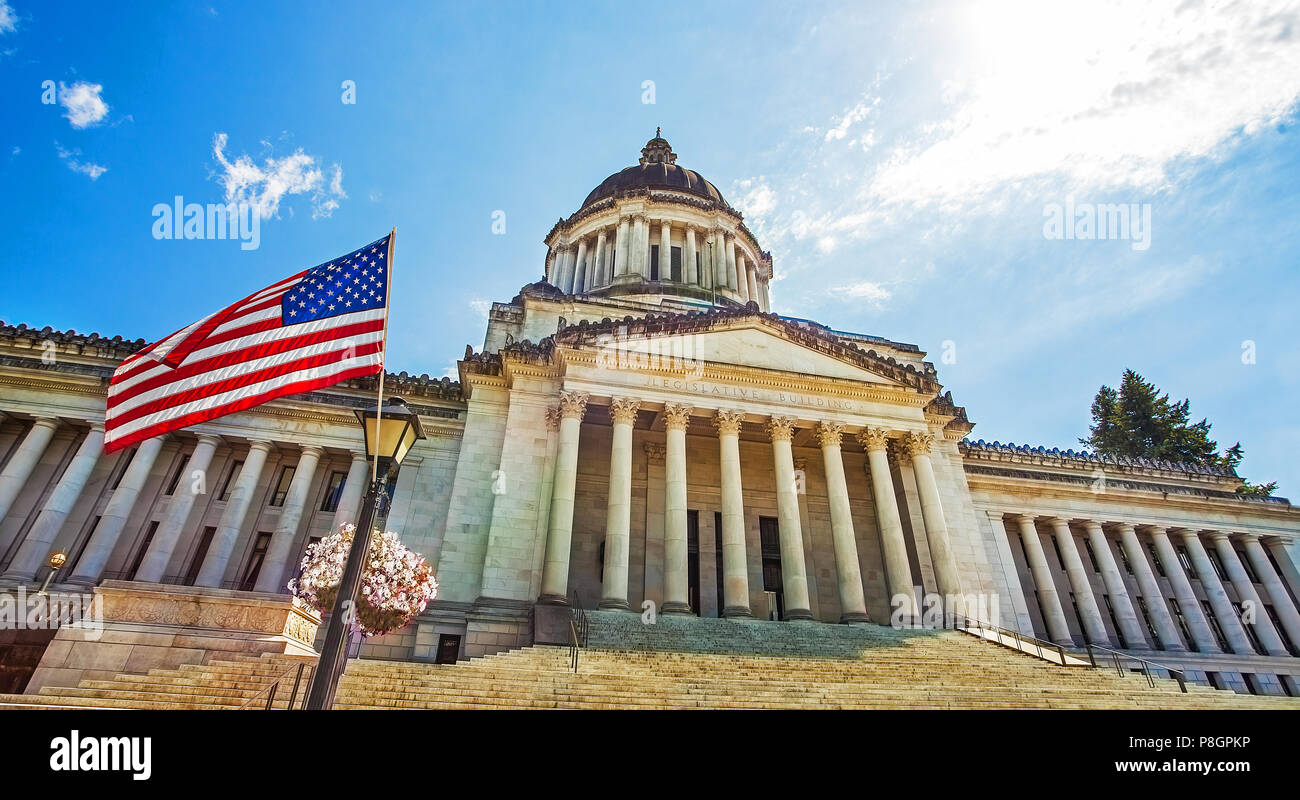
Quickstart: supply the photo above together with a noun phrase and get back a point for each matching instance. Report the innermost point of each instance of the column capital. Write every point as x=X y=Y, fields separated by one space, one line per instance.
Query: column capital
x=573 y=405
x=553 y=418
x=874 y=439
x=1155 y=530
x=1023 y=518
x=897 y=451
x=828 y=433
x=97 y=425
x=1092 y=523
x=655 y=451
x=210 y=438
x=622 y=410
x=677 y=416
x=312 y=450
x=43 y=421
x=727 y=421
x=1216 y=535
x=780 y=429
x=1054 y=521
x=357 y=455
x=918 y=444
x=1248 y=537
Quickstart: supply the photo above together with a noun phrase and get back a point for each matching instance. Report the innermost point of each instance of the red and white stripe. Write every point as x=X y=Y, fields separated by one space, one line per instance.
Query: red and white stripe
x=235 y=359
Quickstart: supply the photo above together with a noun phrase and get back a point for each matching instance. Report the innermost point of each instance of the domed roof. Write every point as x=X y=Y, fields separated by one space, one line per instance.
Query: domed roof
x=657 y=169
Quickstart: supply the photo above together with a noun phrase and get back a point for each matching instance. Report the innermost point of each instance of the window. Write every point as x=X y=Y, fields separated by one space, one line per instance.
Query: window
x=1057 y=547
x=1092 y=556
x=139 y=553
x=334 y=491
x=1160 y=568
x=675 y=256
x=1186 y=562
x=699 y=267
x=176 y=475
x=1214 y=626
x=235 y=467
x=769 y=537
x=693 y=559
x=1281 y=632
x=1217 y=564
x=1151 y=629
x=123 y=467
x=1182 y=626
x=255 y=560
x=654 y=262
x=1246 y=565
x=1250 y=630
x=1079 y=617
x=1123 y=556
x=200 y=553
x=80 y=547
x=282 y=486
x=1114 y=621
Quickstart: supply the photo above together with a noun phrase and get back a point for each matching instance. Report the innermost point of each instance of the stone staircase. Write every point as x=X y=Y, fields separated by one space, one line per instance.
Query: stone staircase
x=679 y=663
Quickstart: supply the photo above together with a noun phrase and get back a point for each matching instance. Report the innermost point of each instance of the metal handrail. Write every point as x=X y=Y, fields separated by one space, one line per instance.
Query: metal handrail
x=578 y=627
x=1177 y=674
x=270 y=689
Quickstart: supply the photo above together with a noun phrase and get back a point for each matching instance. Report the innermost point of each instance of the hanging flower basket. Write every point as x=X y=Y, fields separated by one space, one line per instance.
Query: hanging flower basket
x=396 y=583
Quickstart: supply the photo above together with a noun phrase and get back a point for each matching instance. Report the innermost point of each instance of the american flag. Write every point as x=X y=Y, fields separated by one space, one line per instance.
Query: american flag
x=313 y=329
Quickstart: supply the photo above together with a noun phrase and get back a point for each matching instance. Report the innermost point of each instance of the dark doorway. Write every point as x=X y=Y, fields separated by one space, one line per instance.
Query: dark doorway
x=448 y=648
x=717 y=544
x=693 y=559
x=769 y=536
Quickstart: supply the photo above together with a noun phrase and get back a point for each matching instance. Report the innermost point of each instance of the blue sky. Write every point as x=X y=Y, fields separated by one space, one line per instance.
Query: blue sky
x=896 y=158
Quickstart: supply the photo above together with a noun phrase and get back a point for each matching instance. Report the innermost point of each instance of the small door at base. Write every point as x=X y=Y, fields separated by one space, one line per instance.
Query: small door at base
x=448 y=648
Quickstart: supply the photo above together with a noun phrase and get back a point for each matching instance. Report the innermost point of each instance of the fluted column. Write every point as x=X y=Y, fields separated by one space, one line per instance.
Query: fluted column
x=555 y=568
x=35 y=549
x=271 y=576
x=24 y=460
x=729 y=253
x=1224 y=612
x=676 y=539
x=621 y=253
x=618 y=515
x=665 y=250
x=719 y=260
x=735 y=564
x=154 y=566
x=742 y=277
x=794 y=573
x=1268 y=636
x=580 y=268
x=598 y=278
x=753 y=283
x=853 y=604
x=1130 y=628
x=1283 y=606
x=1049 y=601
x=1193 y=614
x=116 y=513
x=689 y=273
x=1157 y=608
x=936 y=527
x=1281 y=549
x=1094 y=627
x=898 y=571
x=223 y=541
x=354 y=489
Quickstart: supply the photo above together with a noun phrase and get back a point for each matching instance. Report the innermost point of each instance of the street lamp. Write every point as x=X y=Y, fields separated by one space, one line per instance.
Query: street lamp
x=389 y=434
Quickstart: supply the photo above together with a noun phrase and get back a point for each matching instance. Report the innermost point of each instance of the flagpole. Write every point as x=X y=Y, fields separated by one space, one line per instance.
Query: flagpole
x=383 y=361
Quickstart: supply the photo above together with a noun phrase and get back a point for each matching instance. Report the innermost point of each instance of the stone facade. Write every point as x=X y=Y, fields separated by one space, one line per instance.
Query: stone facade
x=638 y=428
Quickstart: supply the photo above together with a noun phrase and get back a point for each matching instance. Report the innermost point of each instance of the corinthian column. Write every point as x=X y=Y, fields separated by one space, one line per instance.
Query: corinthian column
x=853 y=605
x=735 y=565
x=223 y=542
x=1048 y=600
x=24 y=460
x=1264 y=629
x=618 y=517
x=794 y=573
x=154 y=566
x=1129 y=627
x=1193 y=615
x=898 y=572
x=271 y=576
x=1282 y=603
x=676 y=545
x=936 y=527
x=111 y=523
x=1094 y=627
x=1157 y=608
x=35 y=549
x=555 y=569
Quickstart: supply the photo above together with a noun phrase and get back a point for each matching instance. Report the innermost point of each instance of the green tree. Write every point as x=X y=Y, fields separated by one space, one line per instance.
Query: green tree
x=1137 y=421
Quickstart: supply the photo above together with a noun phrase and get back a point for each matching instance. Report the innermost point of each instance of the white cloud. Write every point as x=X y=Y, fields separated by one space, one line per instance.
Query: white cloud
x=93 y=171
x=8 y=19
x=264 y=187
x=1112 y=99
x=481 y=307
x=854 y=115
x=756 y=198
x=84 y=105
x=873 y=294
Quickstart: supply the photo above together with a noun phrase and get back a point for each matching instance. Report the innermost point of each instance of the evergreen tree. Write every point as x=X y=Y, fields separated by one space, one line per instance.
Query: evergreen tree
x=1139 y=422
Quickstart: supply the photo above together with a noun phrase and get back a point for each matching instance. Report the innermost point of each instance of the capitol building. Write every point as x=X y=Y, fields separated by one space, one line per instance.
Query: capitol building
x=641 y=429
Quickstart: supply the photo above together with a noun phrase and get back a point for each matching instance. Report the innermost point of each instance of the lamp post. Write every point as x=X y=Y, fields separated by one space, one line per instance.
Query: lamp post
x=390 y=432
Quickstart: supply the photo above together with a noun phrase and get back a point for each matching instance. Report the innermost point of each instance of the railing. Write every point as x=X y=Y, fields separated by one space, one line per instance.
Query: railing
x=300 y=671
x=578 y=627
x=1118 y=659
x=963 y=622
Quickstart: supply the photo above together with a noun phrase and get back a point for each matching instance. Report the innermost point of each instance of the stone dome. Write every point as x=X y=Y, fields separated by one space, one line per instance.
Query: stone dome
x=657 y=169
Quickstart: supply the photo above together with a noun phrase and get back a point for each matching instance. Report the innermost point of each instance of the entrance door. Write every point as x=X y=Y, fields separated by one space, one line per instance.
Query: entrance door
x=769 y=535
x=448 y=648
x=693 y=559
